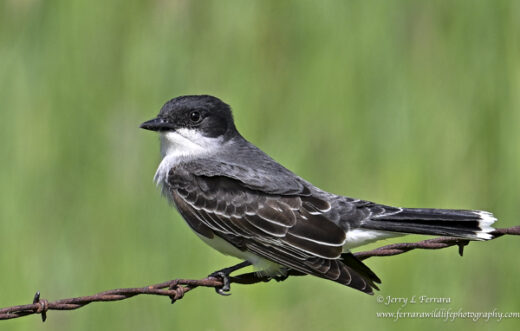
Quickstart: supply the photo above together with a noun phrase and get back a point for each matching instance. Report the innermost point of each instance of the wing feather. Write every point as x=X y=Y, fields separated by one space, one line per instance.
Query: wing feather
x=290 y=230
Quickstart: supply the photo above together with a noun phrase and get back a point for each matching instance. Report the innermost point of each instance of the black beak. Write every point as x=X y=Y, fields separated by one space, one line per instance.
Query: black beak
x=157 y=124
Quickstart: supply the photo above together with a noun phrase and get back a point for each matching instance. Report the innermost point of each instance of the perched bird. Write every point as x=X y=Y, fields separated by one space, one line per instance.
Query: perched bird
x=243 y=203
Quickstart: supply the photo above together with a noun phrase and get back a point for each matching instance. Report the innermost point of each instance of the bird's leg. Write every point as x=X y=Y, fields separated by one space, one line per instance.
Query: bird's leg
x=250 y=278
x=256 y=277
x=224 y=275
x=290 y=272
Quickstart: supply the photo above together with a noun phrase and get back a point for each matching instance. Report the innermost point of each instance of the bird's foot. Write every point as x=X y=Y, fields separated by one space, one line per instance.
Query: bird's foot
x=280 y=278
x=226 y=282
x=224 y=275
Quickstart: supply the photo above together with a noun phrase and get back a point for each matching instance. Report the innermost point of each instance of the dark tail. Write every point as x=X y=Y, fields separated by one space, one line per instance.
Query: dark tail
x=468 y=224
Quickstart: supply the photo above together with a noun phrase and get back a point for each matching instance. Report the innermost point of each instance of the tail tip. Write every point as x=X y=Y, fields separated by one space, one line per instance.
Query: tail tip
x=485 y=222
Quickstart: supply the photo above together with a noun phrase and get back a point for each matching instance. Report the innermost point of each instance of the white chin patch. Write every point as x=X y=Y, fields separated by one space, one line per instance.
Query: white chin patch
x=182 y=145
x=183 y=142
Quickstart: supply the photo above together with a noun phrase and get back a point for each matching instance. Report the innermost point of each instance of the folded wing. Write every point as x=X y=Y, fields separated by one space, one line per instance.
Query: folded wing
x=290 y=230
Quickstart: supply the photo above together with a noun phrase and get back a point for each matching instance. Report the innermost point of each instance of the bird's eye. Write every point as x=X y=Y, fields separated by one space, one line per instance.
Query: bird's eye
x=195 y=116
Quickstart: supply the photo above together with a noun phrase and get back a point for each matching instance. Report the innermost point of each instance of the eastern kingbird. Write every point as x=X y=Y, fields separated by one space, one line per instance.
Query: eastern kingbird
x=243 y=203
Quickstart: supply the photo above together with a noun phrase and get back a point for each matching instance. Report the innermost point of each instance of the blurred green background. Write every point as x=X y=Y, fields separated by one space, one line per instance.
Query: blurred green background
x=407 y=103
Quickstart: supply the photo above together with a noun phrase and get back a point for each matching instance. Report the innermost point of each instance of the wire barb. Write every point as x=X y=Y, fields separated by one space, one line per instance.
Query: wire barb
x=177 y=288
x=42 y=306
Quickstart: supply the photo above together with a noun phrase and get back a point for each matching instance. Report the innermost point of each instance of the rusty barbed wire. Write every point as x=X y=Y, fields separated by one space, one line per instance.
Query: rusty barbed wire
x=436 y=243
x=175 y=289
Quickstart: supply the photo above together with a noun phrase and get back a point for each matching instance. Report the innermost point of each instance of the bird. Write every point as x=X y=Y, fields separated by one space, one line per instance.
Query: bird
x=243 y=203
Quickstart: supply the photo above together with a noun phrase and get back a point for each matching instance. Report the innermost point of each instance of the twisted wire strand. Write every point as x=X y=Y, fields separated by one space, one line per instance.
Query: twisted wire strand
x=177 y=288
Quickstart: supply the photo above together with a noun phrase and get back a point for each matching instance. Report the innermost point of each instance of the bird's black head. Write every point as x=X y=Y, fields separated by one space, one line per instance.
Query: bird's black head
x=208 y=115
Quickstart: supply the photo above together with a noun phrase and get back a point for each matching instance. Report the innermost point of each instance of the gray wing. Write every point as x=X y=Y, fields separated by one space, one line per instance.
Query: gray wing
x=290 y=230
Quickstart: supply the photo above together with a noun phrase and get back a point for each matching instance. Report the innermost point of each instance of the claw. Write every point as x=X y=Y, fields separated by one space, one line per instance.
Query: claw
x=224 y=275
x=280 y=278
x=226 y=283
x=221 y=291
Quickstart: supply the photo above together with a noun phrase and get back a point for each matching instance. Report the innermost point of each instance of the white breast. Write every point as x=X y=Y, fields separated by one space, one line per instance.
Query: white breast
x=263 y=266
x=182 y=145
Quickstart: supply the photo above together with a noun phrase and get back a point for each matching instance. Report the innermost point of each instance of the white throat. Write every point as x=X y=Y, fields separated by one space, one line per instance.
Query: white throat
x=182 y=145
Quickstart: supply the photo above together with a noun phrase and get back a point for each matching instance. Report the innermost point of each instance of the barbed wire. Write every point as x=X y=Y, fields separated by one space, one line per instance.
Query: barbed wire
x=436 y=243
x=177 y=288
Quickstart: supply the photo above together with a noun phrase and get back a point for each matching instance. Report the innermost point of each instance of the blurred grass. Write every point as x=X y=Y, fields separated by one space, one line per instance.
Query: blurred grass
x=401 y=102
